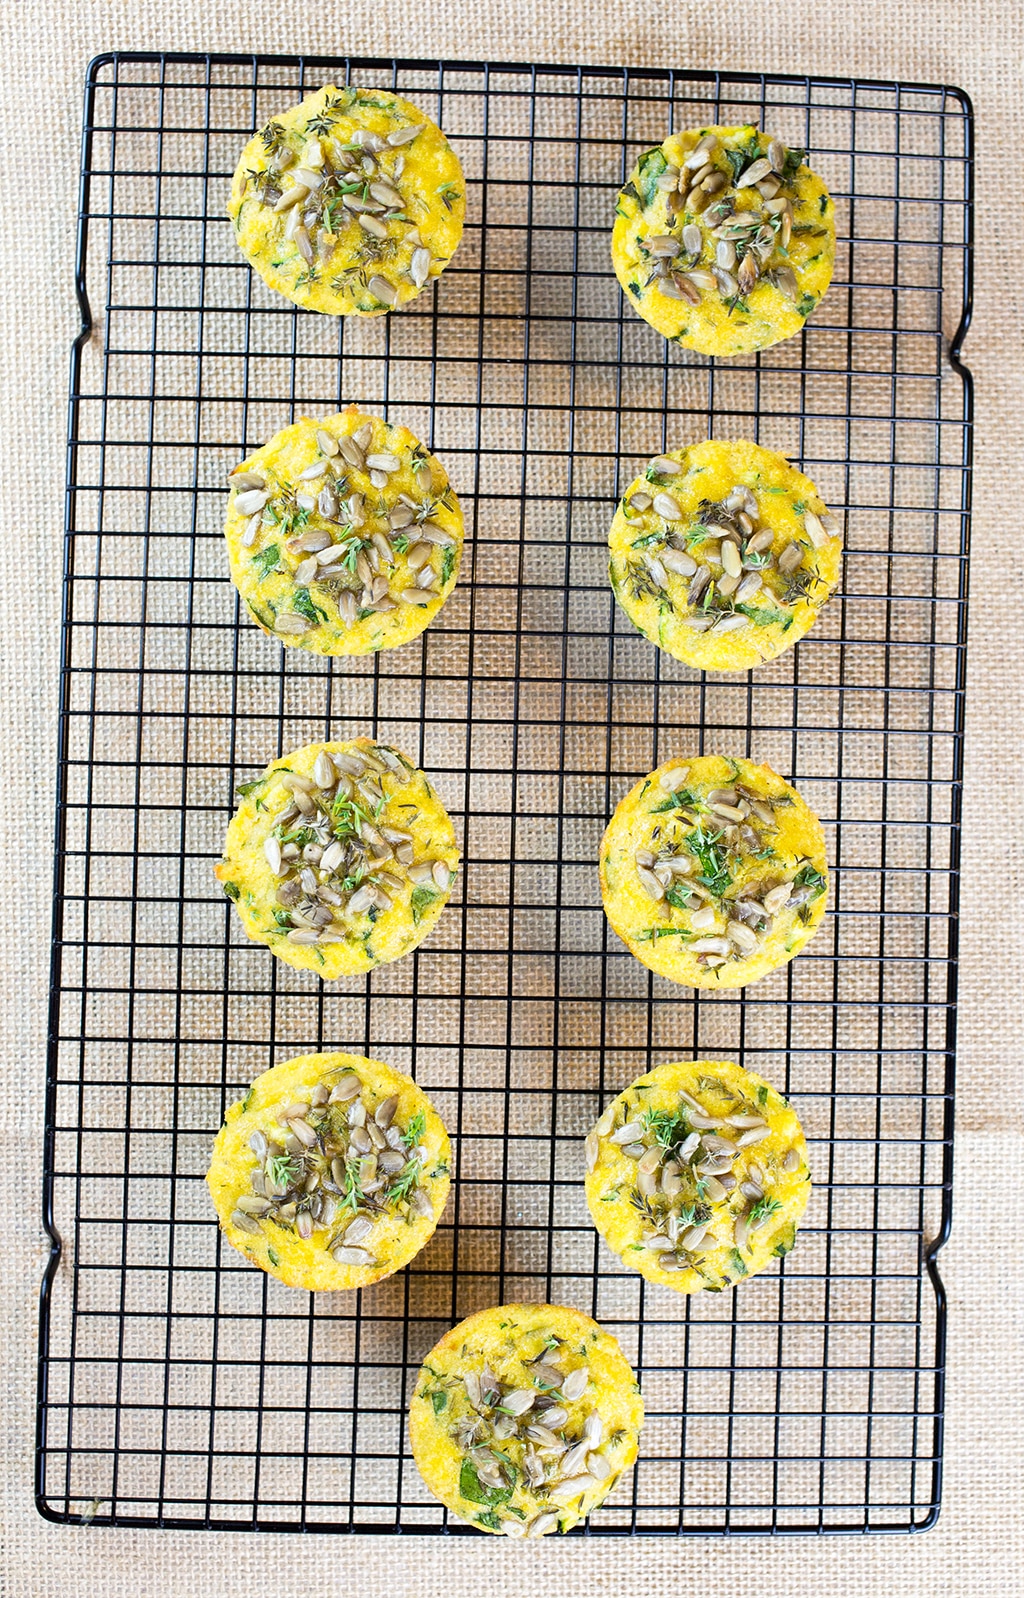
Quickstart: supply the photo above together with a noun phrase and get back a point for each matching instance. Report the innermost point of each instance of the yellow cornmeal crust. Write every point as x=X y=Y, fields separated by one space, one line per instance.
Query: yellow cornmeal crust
x=247 y=879
x=713 y=326
x=722 y=1088
x=268 y=585
x=509 y=1338
x=649 y=818
x=707 y=473
x=305 y=1262
x=429 y=180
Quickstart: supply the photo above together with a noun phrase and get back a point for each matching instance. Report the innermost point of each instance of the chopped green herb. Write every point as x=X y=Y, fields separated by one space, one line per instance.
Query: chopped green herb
x=736 y=1260
x=232 y=890
x=472 y=1488
x=649 y=169
x=791 y=165
x=282 y=1170
x=265 y=560
x=273 y=1256
x=712 y=859
x=304 y=604
x=447 y=564
x=421 y=899
x=415 y=1130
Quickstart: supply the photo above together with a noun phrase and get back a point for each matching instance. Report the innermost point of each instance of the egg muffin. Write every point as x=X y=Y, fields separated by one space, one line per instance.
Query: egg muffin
x=697 y=1175
x=344 y=535
x=524 y=1418
x=349 y=202
x=340 y=857
x=331 y=1173
x=723 y=554
x=724 y=240
x=713 y=871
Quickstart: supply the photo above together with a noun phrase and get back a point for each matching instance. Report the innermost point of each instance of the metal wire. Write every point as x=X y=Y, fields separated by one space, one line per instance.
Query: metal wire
x=177 y=1385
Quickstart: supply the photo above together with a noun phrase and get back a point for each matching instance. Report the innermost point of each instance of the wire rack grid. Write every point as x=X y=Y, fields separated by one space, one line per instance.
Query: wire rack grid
x=180 y=1387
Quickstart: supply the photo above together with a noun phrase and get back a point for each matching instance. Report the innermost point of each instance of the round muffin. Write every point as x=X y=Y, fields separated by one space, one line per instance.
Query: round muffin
x=723 y=555
x=344 y=535
x=349 y=202
x=713 y=871
x=340 y=857
x=332 y=1172
x=723 y=240
x=697 y=1175
x=524 y=1418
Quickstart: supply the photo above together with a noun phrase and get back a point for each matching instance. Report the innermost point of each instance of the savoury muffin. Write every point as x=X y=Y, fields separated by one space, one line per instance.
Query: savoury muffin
x=723 y=240
x=723 y=555
x=340 y=857
x=713 y=871
x=524 y=1418
x=697 y=1175
x=350 y=202
x=344 y=535
x=332 y=1172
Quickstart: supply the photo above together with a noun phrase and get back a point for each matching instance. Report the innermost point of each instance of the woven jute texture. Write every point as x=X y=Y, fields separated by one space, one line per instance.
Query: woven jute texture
x=980 y=1538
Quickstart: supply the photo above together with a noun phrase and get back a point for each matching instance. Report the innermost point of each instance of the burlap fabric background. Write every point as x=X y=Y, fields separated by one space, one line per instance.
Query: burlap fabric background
x=980 y=1540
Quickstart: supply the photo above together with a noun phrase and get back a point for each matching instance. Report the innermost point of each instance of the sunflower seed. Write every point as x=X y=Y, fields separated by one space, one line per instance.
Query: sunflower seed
x=251 y=501
x=791 y=1161
x=435 y=534
x=402 y=136
x=658 y=1243
x=519 y=1401
x=245 y=1223
x=575 y=1384
x=756 y=1134
x=731 y=624
x=574 y=1461
x=564 y=1492
x=291 y=622
x=382 y=290
x=419 y=266
x=710 y=946
x=667 y=507
x=324 y=774
x=416 y=596
x=352 y=1256
x=776 y=897
x=700 y=582
x=731 y=558
x=701 y=151
x=631 y=1131
x=747 y=274
x=650 y=883
x=755 y=172
x=784 y=279
x=681 y=288
x=776 y=155
x=790 y=559
x=814 y=529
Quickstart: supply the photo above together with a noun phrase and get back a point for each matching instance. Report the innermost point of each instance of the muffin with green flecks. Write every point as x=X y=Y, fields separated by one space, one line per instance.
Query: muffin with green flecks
x=344 y=535
x=724 y=240
x=697 y=1175
x=524 y=1418
x=350 y=202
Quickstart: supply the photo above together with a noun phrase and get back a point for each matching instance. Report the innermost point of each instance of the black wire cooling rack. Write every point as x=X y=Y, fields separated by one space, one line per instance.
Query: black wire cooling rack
x=181 y=1387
